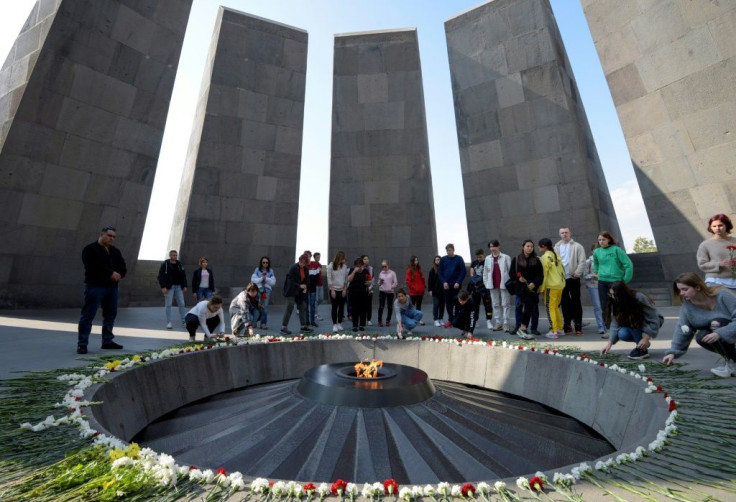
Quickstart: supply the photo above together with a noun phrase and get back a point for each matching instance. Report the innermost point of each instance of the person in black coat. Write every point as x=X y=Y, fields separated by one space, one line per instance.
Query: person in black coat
x=203 y=281
x=173 y=282
x=104 y=267
x=528 y=276
x=465 y=314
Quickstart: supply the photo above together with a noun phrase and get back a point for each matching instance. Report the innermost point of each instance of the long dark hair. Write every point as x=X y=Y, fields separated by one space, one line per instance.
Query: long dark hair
x=260 y=263
x=624 y=306
x=436 y=266
x=547 y=244
x=413 y=268
x=522 y=259
x=337 y=260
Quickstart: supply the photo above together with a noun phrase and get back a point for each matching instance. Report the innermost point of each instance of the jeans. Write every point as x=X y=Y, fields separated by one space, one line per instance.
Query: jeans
x=94 y=297
x=312 y=307
x=627 y=334
x=603 y=287
x=410 y=318
x=175 y=293
x=438 y=307
x=203 y=294
x=385 y=299
x=301 y=305
x=596 y=301
x=265 y=298
x=501 y=302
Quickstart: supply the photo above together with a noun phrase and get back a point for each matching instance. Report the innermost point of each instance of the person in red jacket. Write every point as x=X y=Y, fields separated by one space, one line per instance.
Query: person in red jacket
x=415 y=283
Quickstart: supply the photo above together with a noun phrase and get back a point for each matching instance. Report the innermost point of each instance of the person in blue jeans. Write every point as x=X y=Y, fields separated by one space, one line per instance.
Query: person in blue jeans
x=173 y=282
x=451 y=271
x=104 y=267
x=632 y=318
x=407 y=317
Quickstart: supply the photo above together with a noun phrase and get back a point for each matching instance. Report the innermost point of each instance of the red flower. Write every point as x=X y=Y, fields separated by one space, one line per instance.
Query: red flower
x=227 y=338
x=390 y=486
x=221 y=472
x=96 y=434
x=191 y=468
x=77 y=398
x=665 y=395
x=338 y=487
x=468 y=490
x=554 y=351
x=521 y=347
x=536 y=484
x=659 y=388
x=673 y=405
x=309 y=487
x=649 y=379
x=518 y=274
x=731 y=247
x=601 y=363
x=532 y=349
x=546 y=351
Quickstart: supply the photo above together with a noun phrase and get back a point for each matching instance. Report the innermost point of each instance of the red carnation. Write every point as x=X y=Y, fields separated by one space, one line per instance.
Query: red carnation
x=221 y=472
x=309 y=487
x=390 y=486
x=468 y=490
x=673 y=405
x=536 y=484
x=659 y=388
x=191 y=467
x=731 y=247
x=338 y=487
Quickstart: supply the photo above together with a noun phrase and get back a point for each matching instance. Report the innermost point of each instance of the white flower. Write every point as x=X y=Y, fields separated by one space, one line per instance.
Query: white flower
x=122 y=461
x=522 y=482
x=429 y=491
x=499 y=485
x=351 y=490
x=601 y=466
x=259 y=486
x=483 y=488
x=443 y=488
x=456 y=491
x=642 y=368
x=324 y=490
x=540 y=474
x=278 y=489
x=417 y=492
x=236 y=481
x=405 y=493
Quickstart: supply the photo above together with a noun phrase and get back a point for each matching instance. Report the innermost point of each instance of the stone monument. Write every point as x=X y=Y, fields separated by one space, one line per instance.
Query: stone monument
x=671 y=68
x=528 y=160
x=381 y=201
x=84 y=96
x=239 y=193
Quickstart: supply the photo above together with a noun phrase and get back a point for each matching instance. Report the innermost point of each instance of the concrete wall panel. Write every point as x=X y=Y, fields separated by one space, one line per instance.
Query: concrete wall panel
x=381 y=201
x=240 y=189
x=525 y=145
x=84 y=95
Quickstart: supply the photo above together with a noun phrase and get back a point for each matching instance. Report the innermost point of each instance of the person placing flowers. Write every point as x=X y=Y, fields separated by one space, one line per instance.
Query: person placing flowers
x=632 y=317
x=407 y=317
x=245 y=310
x=464 y=314
x=707 y=313
x=716 y=255
x=208 y=315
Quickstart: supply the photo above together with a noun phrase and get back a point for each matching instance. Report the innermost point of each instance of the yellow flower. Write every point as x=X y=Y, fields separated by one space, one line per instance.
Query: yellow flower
x=111 y=365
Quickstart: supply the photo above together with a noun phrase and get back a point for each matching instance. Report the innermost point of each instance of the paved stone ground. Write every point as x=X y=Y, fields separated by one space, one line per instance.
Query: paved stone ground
x=46 y=339
x=698 y=464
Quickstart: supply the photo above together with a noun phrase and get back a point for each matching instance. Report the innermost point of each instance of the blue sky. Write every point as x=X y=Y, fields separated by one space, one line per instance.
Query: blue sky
x=322 y=19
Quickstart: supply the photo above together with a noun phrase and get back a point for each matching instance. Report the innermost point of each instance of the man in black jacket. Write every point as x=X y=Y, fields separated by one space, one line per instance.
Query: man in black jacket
x=104 y=267
x=173 y=282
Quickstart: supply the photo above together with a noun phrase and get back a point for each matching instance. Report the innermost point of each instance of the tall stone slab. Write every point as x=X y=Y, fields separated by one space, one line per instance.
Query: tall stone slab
x=381 y=201
x=84 y=96
x=671 y=68
x=528 y=160
x=239 y=193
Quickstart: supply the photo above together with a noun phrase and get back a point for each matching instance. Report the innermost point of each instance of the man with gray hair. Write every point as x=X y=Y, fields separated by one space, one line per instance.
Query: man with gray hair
x=573 y=259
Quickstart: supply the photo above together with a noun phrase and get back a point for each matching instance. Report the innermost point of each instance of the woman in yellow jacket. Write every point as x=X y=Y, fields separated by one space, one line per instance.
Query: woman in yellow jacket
x=552 y=286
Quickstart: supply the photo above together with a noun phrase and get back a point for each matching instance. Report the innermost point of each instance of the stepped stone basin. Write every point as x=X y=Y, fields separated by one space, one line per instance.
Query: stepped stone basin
x=439 y=412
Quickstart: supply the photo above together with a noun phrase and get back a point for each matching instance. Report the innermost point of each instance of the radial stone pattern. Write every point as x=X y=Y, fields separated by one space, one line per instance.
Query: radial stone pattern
x=294 y=430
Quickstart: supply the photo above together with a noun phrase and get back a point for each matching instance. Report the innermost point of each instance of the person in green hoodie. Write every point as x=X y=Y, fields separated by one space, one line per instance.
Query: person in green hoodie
x=552 y=286
x=610 y=264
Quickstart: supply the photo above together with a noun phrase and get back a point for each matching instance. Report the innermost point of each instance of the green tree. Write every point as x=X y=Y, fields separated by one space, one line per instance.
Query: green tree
x=644 y=245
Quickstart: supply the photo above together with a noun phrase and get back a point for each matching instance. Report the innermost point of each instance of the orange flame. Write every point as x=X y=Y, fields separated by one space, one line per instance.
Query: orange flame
x=367 y=369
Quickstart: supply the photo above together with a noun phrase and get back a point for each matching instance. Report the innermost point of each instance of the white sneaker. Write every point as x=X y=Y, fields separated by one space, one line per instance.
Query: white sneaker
x=553 y=335
x=489 y=324
x=335 y=327
x=168 y=325
x=438 y=323
x=725 y=371
x=368 y=323
x=191 y=339
x=339 y=327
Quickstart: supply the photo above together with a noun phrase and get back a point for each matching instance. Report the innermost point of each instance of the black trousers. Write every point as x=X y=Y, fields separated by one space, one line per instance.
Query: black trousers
x=572 y=309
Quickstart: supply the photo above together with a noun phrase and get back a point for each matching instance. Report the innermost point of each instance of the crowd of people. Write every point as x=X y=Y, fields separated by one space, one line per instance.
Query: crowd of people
x=554 y=271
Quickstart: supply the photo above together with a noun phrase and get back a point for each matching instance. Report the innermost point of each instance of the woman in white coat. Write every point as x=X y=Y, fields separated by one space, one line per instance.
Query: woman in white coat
x=495 y=275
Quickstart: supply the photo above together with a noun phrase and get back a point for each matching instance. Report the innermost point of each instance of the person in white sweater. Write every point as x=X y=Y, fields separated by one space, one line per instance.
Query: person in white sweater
x=337 y=277
x=208 y=315
x=716 y=255
x=495 y=275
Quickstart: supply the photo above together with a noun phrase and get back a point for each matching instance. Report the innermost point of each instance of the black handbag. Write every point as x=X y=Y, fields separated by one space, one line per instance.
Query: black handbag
x=513 y=286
